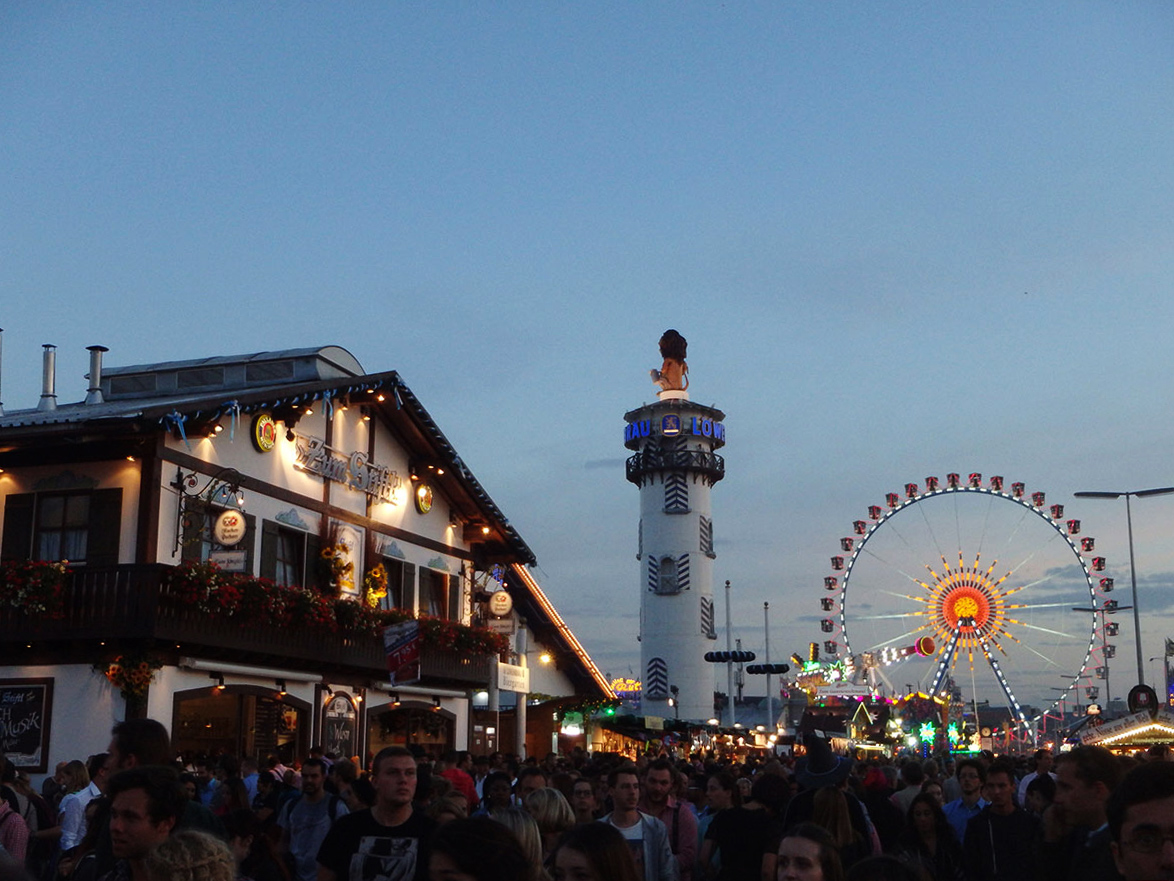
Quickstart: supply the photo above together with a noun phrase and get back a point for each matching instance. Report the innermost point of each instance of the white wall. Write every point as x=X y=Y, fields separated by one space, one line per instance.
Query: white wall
x=85 y=708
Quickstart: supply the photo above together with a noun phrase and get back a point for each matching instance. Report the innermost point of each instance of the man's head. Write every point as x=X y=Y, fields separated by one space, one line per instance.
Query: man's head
x=625 y=788
x=139 y=742
x=583 y=796
x=393 y=773
x=313 y=776
x=530 y=779
x=98 y=767
x=1000 y=787
x=1141 y=823
x=1084 y=779
x=971 y=776
x=144 y=805
x=1043 y=761
x=913 y=774
x=658 y=782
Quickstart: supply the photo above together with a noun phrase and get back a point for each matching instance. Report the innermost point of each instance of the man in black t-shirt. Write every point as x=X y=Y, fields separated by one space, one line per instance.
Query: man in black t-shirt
x=387 y=842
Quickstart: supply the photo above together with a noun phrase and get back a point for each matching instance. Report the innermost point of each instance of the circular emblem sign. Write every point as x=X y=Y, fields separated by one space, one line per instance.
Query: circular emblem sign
x=423 y=498
x=264 y=432
x=229 y=528
x=500 y=603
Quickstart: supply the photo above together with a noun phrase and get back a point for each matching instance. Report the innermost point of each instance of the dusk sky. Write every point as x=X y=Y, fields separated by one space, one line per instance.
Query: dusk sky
x=902 y=239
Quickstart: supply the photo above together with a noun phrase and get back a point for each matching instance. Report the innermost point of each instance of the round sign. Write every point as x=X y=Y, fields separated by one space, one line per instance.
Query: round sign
x=264 y=432
x=229 y=528
x=501 y=603
x=423 y=498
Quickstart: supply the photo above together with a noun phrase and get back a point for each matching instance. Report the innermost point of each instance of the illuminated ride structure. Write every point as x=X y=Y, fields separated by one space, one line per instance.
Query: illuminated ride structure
x=917 y=568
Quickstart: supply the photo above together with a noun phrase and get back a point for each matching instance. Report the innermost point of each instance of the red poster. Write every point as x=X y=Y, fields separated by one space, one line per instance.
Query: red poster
x=402 y=644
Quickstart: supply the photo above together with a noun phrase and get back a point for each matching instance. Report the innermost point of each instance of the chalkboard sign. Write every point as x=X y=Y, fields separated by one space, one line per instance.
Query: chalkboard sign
x=340 y=726
x=25 y=710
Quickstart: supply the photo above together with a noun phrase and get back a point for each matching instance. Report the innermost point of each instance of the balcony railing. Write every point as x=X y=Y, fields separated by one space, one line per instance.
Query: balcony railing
x=134 y=603
x=710 y=465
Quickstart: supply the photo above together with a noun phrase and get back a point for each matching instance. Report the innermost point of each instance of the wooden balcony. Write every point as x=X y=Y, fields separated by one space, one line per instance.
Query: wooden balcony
x=133 y=605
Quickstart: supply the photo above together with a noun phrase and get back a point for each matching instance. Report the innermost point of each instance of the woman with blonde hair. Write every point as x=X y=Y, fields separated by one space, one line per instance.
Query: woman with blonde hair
x=525 y=830
x=553 y=814
x=190 y=856
x=830 y=812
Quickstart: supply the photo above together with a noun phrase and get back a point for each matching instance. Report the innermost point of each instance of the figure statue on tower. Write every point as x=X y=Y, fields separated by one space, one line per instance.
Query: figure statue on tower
x=674 y=372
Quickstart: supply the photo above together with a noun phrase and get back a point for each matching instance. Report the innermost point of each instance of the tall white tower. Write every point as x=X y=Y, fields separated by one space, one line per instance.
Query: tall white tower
x=675 y=465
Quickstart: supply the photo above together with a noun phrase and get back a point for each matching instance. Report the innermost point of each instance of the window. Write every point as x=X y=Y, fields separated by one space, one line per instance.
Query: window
x=401 y=585
x=81 y=526
x=290 y=557
x=439 y=594
x=287 y=554
x=668 y=576
x=62 y=526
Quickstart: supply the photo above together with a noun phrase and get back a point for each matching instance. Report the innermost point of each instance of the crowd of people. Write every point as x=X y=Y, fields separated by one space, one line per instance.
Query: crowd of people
x=136 y=813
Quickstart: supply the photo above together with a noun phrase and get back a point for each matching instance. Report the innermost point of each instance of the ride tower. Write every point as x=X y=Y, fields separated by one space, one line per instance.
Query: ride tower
x=675 y=465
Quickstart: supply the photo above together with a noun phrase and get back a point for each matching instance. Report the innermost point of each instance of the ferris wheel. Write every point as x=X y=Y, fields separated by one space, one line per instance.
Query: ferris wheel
x=966 y=586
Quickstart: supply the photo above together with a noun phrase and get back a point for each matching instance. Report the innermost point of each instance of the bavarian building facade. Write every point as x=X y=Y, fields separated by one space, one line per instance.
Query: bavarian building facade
x=220 y=544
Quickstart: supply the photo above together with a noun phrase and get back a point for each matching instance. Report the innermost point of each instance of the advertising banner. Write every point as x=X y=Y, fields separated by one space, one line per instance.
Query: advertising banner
x=401 y=642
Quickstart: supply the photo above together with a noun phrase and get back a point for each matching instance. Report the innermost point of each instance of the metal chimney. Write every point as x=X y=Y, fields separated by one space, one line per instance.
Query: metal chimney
x=94 y=392
x=48 y=379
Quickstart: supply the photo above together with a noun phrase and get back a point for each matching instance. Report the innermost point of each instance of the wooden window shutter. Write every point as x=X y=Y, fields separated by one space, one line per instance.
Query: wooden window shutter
x=268 y=550
x=104 y=527
x=17 y=543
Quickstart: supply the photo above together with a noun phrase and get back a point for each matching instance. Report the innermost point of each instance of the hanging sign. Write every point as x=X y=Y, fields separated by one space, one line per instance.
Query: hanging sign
x=500 y=603
x=229 y=528
x=512 y=677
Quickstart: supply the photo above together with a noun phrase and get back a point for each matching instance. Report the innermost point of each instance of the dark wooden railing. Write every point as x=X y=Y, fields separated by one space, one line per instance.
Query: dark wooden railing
x=135 y=603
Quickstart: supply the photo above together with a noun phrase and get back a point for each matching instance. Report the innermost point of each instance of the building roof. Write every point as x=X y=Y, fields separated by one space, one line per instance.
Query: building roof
x=187 y=397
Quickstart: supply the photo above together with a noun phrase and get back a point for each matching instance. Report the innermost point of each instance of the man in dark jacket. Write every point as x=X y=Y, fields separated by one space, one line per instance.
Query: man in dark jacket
x=1000 y=841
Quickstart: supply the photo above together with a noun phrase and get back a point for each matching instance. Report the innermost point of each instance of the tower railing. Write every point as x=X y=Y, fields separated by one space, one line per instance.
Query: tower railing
x=653 y=460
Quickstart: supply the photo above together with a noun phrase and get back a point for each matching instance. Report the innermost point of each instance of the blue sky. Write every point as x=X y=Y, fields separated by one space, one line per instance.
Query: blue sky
x=902 y=239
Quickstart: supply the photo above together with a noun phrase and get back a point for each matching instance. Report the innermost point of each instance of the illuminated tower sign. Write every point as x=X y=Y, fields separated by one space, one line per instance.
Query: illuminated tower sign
x=675 y=465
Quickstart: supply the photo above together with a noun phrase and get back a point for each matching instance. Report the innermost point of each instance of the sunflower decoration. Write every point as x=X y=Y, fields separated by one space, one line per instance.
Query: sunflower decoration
x=131 y=674
x=375 y=585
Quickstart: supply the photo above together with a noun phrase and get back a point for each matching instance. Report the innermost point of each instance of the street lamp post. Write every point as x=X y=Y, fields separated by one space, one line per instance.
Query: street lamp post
x=1141 y=493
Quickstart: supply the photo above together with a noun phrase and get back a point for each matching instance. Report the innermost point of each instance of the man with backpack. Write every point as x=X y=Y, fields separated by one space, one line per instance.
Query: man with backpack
x=305 y=821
